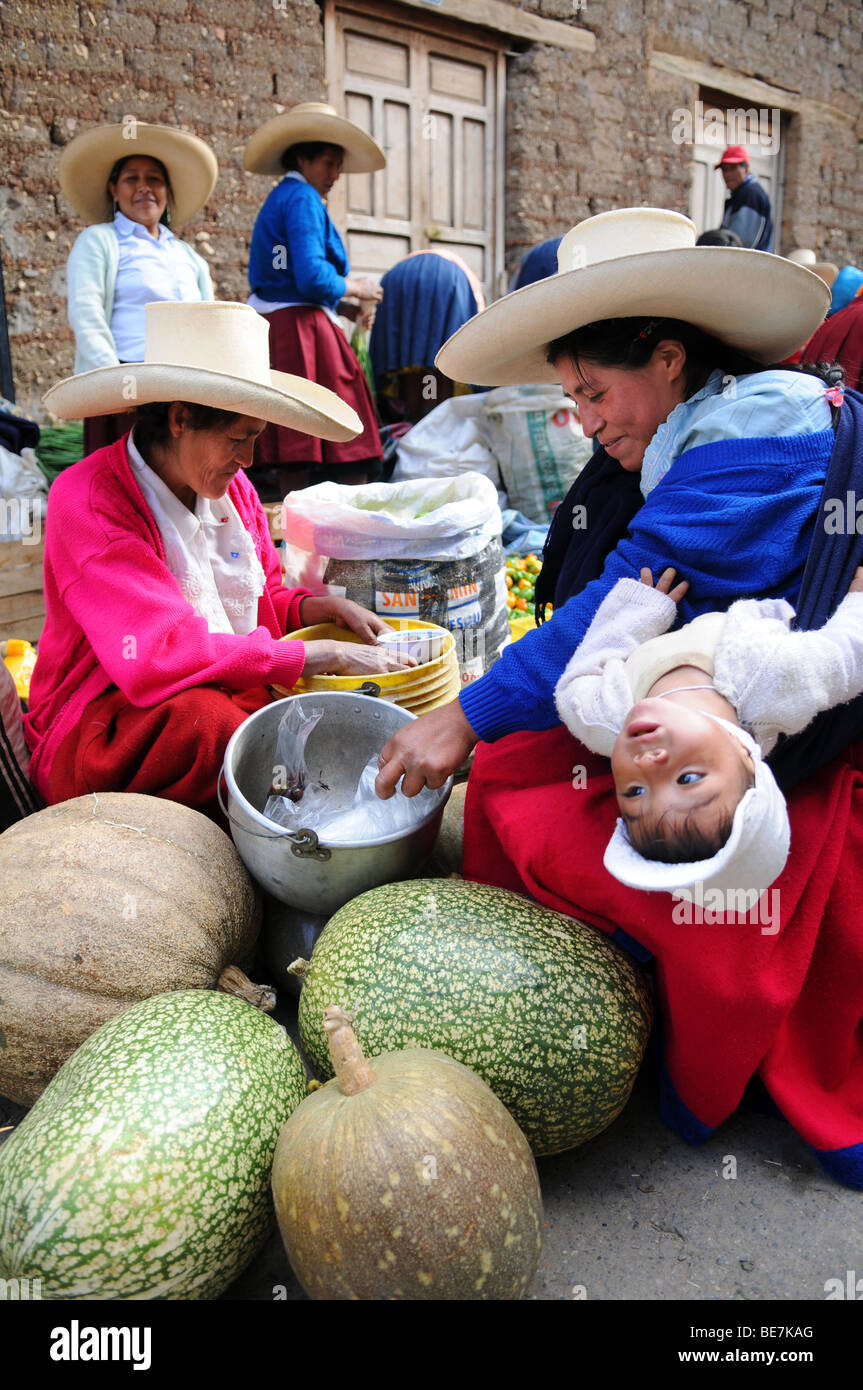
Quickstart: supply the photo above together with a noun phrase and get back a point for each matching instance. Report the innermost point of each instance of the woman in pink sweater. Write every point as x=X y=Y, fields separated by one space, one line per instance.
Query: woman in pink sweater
x=165 y=606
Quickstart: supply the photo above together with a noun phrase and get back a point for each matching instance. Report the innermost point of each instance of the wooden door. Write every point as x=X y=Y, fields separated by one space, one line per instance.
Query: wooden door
x=766 y=159
x=433 y=101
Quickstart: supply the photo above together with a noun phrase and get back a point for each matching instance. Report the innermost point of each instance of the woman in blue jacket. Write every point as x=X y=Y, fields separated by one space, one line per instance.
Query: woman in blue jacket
x=301 y=281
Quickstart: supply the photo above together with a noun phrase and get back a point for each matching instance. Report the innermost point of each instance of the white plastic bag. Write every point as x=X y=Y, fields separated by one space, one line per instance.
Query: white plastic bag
x=451 y=439
x=539 y=445
x=367 y=818
x=431 y=518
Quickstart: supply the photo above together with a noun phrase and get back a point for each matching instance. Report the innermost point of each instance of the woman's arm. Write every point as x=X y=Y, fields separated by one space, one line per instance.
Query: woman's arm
x=87 y=275
x=305 y=225
x=737 y=519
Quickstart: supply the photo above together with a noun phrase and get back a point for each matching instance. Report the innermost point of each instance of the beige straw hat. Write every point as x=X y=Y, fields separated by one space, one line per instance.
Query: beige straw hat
x=825 y=270
x=87 y=161
x=214 y=354
x=634 y=262
x=308 y=122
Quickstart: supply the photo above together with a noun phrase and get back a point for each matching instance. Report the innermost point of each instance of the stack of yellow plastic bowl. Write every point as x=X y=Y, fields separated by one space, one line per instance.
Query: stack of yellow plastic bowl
x=416 y=688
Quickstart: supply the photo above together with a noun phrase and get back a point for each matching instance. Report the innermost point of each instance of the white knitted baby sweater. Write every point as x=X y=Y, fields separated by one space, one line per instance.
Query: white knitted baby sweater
x=777 y=680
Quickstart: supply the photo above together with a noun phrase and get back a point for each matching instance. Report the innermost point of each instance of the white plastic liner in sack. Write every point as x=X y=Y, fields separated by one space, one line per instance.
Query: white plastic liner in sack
x=426 y=549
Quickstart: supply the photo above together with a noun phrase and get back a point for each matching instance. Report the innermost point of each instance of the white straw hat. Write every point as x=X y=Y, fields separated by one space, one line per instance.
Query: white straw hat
x=87 y=161
x=825 y=270
x=640 y=262
x=309 y=122
x=214 y=354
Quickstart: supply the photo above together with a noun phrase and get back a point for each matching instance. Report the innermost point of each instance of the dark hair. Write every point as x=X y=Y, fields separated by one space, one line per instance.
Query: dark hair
x=630 y=343
x=311 y=150
x=682 y=841
x=117 y=167
x=721 y=236
x=151 y=421
x=831 y=373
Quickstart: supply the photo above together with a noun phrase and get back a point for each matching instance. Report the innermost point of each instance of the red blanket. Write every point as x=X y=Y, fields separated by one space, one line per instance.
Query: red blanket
x=777 y=992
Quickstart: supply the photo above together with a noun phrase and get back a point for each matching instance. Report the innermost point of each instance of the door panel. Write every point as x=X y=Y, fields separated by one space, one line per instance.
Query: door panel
x=434 y=104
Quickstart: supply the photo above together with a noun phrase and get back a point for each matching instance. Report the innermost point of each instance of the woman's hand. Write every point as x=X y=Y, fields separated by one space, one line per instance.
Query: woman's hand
x=332 y=658
x=363 y=287
x=427 y=751
x=857 y=582
x=329 y=608
x=664 y=583
x=366 y=317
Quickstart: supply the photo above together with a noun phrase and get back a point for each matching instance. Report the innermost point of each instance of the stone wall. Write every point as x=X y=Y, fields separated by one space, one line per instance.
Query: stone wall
x=588 y=132
x=585 y=132
x=219 y=68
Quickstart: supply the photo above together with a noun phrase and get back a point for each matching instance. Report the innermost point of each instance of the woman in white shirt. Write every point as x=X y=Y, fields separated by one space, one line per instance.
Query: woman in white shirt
x=130 y=182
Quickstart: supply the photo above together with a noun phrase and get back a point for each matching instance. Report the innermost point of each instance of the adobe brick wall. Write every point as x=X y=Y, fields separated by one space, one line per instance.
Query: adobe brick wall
x=219 y=68
x=584 y=132
x=591 y=132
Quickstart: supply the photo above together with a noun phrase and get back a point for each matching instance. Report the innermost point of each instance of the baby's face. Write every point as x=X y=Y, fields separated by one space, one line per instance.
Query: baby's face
x=670 y=759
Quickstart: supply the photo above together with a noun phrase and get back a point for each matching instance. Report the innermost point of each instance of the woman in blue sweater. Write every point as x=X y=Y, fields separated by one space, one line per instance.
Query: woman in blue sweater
x=750 y=477
x=301 y=281
x=731 y=456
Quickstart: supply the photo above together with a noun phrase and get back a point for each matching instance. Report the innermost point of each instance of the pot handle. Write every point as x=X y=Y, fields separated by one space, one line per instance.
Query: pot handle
x=368 y=688
x=304 y=843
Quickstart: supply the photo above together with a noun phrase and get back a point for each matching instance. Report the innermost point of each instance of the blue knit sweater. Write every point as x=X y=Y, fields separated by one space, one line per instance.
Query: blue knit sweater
x=296 y=253
x=736 y=518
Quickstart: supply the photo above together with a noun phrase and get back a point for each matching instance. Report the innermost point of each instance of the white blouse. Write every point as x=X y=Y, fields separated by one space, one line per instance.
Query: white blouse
x=209 y=552
x=148 y=269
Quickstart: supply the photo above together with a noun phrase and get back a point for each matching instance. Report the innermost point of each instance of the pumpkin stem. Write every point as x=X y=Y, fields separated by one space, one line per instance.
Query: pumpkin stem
x=299 y=968
x=353 y=1072
x=233 y=981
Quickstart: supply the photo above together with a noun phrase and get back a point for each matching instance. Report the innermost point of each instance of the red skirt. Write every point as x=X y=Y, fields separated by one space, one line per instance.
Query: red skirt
x=102 y=430
x=304 y=342
x=777 y=992
x=174 y=749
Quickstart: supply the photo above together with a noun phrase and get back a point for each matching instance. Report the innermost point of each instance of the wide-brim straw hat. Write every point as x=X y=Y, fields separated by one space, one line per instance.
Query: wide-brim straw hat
x=640 y=262
x=214 y=354
x=825 y=270
x=87 y=161
x=309 y=122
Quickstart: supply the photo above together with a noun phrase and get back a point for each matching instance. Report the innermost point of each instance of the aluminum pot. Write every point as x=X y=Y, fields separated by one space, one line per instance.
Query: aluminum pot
x=293 y=865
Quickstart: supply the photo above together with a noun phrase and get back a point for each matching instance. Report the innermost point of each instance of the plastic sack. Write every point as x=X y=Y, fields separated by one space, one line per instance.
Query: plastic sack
x=447 y=518
x=468 y=597
x=539 y=445
x=451 y=439
x=23 y=499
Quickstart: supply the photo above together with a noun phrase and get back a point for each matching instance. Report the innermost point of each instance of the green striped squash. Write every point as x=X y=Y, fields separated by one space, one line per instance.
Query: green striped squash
x=143 y=1170
x=552 y=1015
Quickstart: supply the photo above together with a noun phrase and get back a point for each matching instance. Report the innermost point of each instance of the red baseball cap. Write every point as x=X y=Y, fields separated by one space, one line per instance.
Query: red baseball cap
x=735 y=154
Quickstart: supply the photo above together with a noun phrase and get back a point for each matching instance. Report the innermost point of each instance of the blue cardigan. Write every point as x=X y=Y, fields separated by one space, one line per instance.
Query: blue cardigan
x=736 y=517
x=296 y=253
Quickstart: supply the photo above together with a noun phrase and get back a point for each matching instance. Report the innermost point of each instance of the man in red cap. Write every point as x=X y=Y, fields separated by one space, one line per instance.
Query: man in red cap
x=747 y=207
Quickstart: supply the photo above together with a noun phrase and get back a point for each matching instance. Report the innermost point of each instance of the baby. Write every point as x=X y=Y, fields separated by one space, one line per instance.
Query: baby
x=686 y=718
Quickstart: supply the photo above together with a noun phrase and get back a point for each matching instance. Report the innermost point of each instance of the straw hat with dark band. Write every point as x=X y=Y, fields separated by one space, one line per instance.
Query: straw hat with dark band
x=87 y=161
x=311 y=122
x=214 y=354
x=634 y=262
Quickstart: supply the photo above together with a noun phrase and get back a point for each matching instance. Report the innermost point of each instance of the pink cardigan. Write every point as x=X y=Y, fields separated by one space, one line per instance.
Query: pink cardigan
x=116 y=616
